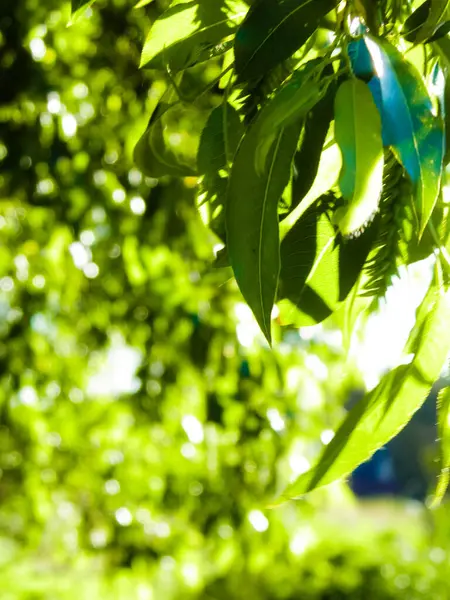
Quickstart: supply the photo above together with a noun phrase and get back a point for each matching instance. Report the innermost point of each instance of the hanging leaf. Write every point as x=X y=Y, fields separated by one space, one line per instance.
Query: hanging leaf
x=384 y=411
x=170 y=142
x=252 y=219
x=358 y=135
x=187 y=32
x=318 y=268
x=291 y=103
x=443 y=408
x=415 y=132
x=219 y=139
x=272 y=31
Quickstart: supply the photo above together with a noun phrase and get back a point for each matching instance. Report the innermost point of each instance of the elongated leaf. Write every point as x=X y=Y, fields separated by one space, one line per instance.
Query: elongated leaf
x=318 y=269
x=219 y=139
x=358 y=135
x=169 y=144
x=272 y=31
x=291 y=103
x=143 y=3
x=415 y=132
x=187 y=32
x=307 y=158
x=384 y=411
x=252 y=219
x=444 y=444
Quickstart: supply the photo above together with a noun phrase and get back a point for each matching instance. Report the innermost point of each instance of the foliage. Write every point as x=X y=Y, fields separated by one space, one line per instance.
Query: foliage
x=298 y=78
x=144 y=425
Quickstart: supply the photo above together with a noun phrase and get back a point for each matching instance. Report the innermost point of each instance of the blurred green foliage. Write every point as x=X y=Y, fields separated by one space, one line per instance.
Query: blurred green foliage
x=144 y=424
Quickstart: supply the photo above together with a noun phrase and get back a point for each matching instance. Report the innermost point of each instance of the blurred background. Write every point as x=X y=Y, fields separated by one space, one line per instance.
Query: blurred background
x=144 y=423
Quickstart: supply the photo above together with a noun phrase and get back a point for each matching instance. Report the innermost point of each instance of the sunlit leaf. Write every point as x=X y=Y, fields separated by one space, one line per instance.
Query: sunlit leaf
x=415 y=133
x=443 y=408
x=358 y=135
x=143 y=3
x=272 y=31
x=384 y=411
x=252 y=219
x=187 y=32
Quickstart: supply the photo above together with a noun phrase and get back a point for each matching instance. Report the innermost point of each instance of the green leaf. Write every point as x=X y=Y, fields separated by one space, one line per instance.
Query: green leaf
x=219 y=139
x=422 y=24
x=384 y=411
x=78 y=7
x=358 y=135
x=291 y=103
x=272 y=31
x=187 y=32
x=143 y=3
x=415 y=133
x=252 y=219
x=318 y=268
x=443 y=407
x=307 y=158
x=169 y=144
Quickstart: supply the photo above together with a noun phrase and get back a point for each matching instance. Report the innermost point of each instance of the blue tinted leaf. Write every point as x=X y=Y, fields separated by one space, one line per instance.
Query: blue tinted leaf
x=414 y=132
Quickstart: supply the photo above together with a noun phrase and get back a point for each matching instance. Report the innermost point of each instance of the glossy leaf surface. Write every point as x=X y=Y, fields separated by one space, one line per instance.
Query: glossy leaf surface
x=415 y=133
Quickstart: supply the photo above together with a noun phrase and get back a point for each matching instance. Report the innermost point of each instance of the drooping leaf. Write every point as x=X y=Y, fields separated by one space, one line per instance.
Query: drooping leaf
x=291 y=103
x=169 y=144
x=272 y=31
x=415 y=133
x=252 y=219
x=187 y=32
x=384 y=411
x=358 y=135
x=443 y=407
x=219 y=139
x=318 y=268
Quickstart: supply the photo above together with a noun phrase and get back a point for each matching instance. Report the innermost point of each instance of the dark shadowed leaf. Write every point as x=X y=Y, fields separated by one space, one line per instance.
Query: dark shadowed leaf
x=307 y=157
x=187 y=32
x=424 y=22
x=219 y=139
x=272 y=31
x=318 y=268
x=384 y=411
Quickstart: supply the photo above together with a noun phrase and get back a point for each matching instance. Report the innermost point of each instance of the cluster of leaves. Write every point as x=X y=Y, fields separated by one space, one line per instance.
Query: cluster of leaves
x=321 y=160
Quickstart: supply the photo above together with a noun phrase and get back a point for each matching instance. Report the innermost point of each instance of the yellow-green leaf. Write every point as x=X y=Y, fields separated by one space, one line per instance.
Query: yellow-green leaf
x=358 y=135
